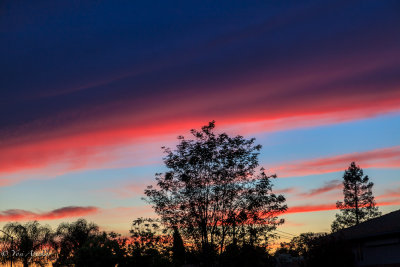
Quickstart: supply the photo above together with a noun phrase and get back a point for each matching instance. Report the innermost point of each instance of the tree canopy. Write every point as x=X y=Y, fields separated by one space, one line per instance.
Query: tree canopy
x=315 y=250
x=214 y=192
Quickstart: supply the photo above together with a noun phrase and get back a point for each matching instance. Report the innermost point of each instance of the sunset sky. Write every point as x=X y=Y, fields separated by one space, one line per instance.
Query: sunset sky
x=91 y=90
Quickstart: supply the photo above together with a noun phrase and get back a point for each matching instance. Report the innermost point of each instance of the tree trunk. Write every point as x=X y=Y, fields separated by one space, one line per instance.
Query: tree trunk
x=356 y=200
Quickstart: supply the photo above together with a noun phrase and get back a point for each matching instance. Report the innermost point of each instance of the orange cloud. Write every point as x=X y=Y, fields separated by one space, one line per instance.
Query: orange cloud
x=65 y=212
x=323 y=207
x=378 y=158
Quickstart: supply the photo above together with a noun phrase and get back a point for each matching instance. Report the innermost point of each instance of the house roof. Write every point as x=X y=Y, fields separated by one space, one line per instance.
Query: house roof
x=387 y=224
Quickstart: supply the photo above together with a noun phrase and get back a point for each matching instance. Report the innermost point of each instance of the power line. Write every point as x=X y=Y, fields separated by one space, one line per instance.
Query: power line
x=284 y=236
x=285 y=233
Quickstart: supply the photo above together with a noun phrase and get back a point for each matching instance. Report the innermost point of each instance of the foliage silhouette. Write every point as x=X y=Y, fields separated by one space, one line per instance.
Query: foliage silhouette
x=359 y=204
x=246 y=256
x=299 y=245
x=69 y=238
x=30 y=243
x=213 y=194
x=150 y=245
x=317 y=249
x=103 y=250
x=82 y=244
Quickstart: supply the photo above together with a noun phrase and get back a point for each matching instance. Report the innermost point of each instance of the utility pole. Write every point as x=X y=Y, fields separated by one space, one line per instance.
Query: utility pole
x=12 y=245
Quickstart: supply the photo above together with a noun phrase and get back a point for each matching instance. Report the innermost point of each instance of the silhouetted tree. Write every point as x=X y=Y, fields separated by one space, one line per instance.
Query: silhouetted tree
x=82 y=244
x=299 y=245
x=213 y=194
x=150 y=246
x=178 y=248
x=359 y=203
x=30 y=243
x=70 y=238
x=103 y=250
x=317 y=249
x=246 y=256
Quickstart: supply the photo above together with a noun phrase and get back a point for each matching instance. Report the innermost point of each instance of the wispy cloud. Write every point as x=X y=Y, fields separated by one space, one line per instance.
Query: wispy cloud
x=127 y=190
x=288 y=190
x=327 y=187
x=379 y=158
x=390 y=194
x=310 y=208
x=324 y=207
x=65 y=212
x=86 y=150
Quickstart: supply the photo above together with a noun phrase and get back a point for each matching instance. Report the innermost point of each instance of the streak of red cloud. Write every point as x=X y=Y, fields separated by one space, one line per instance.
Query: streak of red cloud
x=81 y=142
x=324 y=207
x=378 y=158
x=389 y=202
x=289 y=190
x=310 y=208
x=65 y=212
x=390 y=194
x=49 y=166
x=329 y=186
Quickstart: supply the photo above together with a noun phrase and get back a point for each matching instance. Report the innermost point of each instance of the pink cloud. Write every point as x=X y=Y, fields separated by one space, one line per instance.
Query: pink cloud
x=324 y=207
x=327 y=187
x=272 y=101
x=65 y=212
x=390 y=194
x=289 y=190
x=378 y=158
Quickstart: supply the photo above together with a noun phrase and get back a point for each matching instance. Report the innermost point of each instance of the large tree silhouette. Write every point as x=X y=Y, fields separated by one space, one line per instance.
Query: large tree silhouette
x=214 y=193
x=359 y=204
